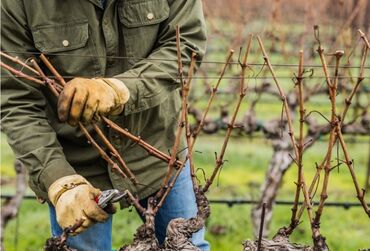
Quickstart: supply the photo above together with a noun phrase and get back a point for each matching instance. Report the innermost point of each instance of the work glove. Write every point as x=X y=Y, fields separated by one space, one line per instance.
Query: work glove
x=83 y=99
x=74 y=199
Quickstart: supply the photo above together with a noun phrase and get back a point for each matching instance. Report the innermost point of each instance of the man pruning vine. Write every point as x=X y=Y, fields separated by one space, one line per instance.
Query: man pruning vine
x=119 y=60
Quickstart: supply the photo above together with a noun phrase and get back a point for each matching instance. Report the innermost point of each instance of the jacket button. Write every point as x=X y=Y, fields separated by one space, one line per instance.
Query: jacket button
x=150 y=16
x=65 y=43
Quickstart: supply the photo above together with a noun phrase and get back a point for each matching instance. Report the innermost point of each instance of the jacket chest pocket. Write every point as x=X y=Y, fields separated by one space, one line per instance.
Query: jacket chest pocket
x=68 y=46
x=140 y=21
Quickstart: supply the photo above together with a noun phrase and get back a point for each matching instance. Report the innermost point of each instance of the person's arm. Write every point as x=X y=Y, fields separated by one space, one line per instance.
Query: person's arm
x=32 y=138
x=23 y=117
x=151 y=80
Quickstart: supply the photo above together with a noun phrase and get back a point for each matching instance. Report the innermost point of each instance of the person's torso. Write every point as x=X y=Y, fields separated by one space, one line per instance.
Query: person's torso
x=82 y=38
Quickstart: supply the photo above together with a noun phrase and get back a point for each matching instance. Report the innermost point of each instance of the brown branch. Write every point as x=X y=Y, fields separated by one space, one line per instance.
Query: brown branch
x=181 y=123
x=363 y=36
x=300 y=180
x=59 y=78
x=349 y=163
x=297 y=152
x=48 y=82
x=348 y=102
x=102 y=153
x=187 y=125
x=360 y=78
x=185 y=89
x=367 y=177
x=135 y=202
x=231 y=125
x=333 y=132
x=116 y=154
x=210 y=100
x=17 y=61
x=20 y=74
x=150 y=149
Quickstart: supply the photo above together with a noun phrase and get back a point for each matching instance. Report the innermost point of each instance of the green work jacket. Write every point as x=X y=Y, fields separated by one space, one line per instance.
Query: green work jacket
x=132 y=40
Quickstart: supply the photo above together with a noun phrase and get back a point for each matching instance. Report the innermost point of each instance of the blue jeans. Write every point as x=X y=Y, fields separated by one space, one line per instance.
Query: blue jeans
x=179 y=203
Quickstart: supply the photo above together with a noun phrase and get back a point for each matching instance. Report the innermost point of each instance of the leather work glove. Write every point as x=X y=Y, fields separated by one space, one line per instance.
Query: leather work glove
x=74 y=199
x=83 y=99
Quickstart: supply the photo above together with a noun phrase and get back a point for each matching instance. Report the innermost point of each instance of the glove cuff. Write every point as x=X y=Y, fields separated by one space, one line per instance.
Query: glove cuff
x=64 y=184
x=122 y=92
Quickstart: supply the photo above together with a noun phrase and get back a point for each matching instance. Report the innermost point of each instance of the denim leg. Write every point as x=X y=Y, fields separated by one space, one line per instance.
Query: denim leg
x=180 y=203
x=96 y=238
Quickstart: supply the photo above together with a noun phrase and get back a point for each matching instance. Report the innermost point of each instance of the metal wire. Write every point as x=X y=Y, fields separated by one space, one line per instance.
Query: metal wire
x=175 y=60
x=233 y=202
x=197 y=77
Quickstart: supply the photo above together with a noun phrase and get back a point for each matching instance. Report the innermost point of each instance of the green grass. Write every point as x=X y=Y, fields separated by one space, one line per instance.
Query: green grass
x=240 y=178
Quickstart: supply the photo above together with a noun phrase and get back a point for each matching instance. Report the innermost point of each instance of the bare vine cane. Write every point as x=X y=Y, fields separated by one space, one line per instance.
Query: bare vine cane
x=188 y=132
x=360 y=78
x=145 y=236
x=20 y=74
x=179 y=231
x=335 y=133
x=294 y=221
x=348 y=102
x=348 y=160
x=291 y=135
x=58 y=77
x=150 y=149
x=363 y=36
x=195 y=133
x=185 y=89
x=191 y=143
x=20 y=62
x=51 y=84
x=231 y=125
x=334 y=121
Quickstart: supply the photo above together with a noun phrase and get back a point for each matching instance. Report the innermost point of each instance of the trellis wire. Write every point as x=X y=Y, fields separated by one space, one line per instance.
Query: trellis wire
x=198 y=77
x=231 y=202
x=175 y=60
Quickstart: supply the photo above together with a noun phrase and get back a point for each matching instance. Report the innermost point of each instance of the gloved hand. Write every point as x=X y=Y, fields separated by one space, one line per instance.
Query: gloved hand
x=74 y=199
x=83 y=99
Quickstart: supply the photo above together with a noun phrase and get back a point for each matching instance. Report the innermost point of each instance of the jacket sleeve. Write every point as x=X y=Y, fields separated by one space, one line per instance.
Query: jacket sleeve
x=151 y=80
x=23 y=117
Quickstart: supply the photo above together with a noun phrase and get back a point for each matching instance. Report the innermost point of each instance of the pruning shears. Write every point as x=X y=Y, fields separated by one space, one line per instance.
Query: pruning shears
x=109 y=197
